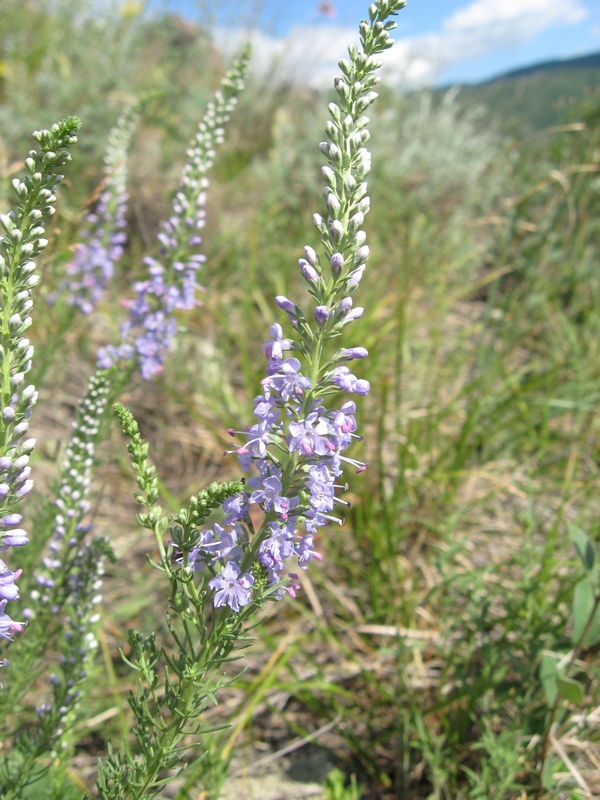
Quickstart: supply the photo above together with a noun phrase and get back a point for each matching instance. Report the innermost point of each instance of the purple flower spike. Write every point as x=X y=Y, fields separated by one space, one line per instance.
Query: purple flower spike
x=172 y=285
x=297 y=447
x=95 y=258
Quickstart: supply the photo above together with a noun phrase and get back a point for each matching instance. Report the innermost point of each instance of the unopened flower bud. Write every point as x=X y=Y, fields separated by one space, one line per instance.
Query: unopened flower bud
x=286 y=305
x=24 y=489
x=361 y=255
x=321 y=314
x=16 y=538
x=337 y=230
x=353 y=315
x=355 y=277
x=309 y=273
x=350 y=353
x=310 y=256
x=10 y=520
x=337 y=263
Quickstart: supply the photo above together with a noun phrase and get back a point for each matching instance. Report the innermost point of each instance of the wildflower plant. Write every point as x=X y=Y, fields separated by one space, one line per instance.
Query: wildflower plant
x=21 y=243
x=297 y=444
x=171 y=285
x=93 y=263
x=218 y=575
x=64 y=602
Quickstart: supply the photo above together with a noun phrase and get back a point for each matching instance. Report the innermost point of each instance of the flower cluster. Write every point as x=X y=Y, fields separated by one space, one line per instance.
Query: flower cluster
x=172 y=282
x=21 y=242
x=93 y=264
x=72 y=503
x=296 y=447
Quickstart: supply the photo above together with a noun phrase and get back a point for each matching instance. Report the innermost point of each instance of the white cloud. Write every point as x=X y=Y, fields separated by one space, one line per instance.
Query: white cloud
x=490 y=25
x=309 y=55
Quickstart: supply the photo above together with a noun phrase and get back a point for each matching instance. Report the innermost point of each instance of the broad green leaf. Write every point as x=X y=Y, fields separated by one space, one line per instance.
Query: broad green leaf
x=548 y=774
x=583 y=605
x=548 y=677
x=570 y=689
x=585 y=549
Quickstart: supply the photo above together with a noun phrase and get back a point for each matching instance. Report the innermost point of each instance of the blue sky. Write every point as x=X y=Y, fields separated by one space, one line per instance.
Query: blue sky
x=438 y=41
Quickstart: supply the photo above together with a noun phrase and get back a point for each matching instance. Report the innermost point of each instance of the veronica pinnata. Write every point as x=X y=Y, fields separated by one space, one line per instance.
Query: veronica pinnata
x=297 y=444
x=21 y=242
x=93 y=263
x=172 y=285
x=55 y=582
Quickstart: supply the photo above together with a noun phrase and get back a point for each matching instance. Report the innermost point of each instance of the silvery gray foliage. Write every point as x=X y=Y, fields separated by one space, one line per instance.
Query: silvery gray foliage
x=472 y=144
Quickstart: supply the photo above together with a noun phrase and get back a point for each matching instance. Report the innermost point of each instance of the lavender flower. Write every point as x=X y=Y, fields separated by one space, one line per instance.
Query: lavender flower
x=232 y=588
x=7 y=625
x=172 y=281
x=297 y=444
x=92 y=266
x=21 y=242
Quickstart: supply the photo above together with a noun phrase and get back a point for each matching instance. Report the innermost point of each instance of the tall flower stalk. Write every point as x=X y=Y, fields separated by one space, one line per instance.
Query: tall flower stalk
x=70 y=580
x=59 y=576
x=21 y=243
x=172 y=282
x=296 y=448
x=104 y=237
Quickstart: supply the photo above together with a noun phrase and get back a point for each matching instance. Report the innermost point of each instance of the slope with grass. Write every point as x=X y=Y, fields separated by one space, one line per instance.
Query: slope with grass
x=541 y=95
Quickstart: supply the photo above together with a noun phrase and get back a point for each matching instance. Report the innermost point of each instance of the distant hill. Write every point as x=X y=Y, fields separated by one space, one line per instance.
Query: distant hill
x=540 y=95
x=581 y=62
